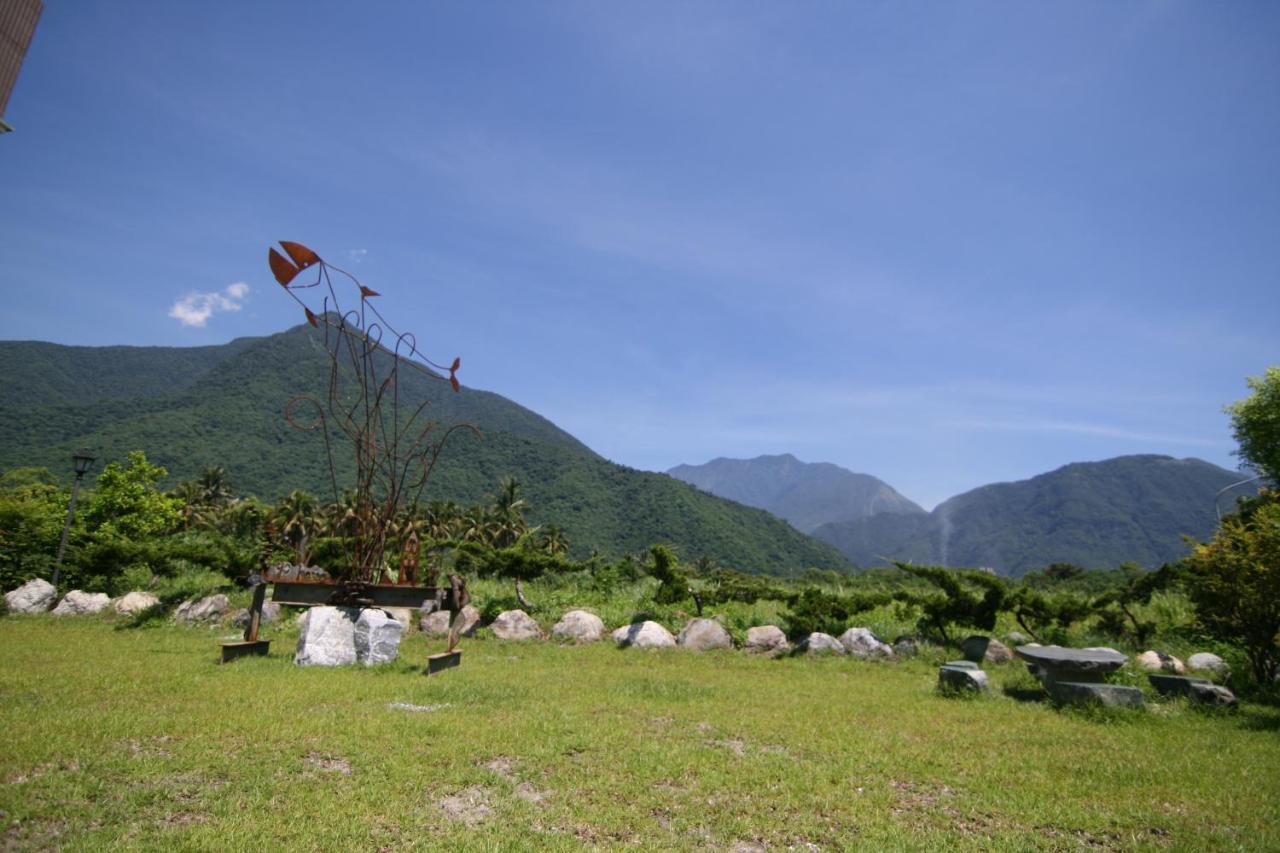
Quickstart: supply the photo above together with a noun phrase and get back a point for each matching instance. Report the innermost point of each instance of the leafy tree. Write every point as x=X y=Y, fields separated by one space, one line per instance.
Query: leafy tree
x=32 y=513
x=1117 y=609
x=127 y=503
x=1255 y=421
x=673 y=579
x=960 y=597
x=1039 y=612
x=812 y=610
x=1234 y=584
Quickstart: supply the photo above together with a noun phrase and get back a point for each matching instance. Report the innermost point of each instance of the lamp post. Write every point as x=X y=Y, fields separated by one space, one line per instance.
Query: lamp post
x=82 y=461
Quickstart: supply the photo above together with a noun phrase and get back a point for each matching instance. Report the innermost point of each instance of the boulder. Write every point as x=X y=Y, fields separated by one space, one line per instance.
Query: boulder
x=1208 y=662
x=436 y=622
x=78 y=602
x=1017 y=638
x=644 y=635
x=403 y=615
x=974 y=648
x=704 y=634
x=1213 y=694
x=376 y=637
x=327 y=637
x=202 y=610
x=819 y=643
x=34 y=596
x=135 y=602
x=515 y=625
x=861 y=643
x=579 y=626
x=906 y=646
x=997 y=652
x=270 y=613
x=767 y=640
x=1159 y=662
x=963 y=679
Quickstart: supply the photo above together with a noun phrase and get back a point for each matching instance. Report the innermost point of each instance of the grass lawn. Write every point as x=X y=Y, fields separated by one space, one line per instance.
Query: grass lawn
x=136 y=737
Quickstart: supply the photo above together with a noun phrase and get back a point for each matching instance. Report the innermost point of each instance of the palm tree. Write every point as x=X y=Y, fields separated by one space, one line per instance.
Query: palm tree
x=214 y=487
x=553 y=540
x=507 y=514
x=297 y=520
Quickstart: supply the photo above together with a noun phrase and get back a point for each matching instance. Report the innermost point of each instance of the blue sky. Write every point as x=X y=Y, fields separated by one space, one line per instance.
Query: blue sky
x=945 y=244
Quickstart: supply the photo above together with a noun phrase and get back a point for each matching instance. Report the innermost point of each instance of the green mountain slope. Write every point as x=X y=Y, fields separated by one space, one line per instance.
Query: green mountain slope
x=1093 y=514
x=807 y=494
x=192 y=408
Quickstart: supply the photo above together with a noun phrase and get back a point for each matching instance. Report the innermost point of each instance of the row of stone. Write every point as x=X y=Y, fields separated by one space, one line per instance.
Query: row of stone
x=581 y=626
x=38 y=596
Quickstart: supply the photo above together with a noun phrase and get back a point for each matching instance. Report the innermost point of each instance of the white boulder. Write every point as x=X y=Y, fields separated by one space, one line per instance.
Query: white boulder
x=703 y=635
x=1159 y=662
x=644 y=635
x=202 y=610
x=135 y=602
x=820 y=643
x=327 y=637
x=78 y=602
x=1208 y=662
x=578 y=626
x=34 y=596
x=767 y=640
x=377 y=637
x=861 y=643
x=515 y=625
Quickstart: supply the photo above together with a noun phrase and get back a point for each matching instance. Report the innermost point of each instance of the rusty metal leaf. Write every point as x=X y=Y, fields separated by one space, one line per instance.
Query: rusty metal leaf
x=311 y=318
x=280 y=268
x=366 y=292
x=302 y=256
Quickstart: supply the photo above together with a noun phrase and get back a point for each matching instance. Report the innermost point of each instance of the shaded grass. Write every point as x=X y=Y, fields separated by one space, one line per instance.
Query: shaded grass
x=139 y=739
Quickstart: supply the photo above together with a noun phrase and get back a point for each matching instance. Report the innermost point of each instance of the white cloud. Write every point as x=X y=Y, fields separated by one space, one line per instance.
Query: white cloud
x=195 y=308
x=356 y=255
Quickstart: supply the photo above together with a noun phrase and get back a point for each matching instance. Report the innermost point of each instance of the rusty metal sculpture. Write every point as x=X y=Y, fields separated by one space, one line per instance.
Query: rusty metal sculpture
x=396 y=447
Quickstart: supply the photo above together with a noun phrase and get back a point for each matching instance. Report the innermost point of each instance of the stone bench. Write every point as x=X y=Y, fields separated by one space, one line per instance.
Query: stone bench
x=962 y=676
x=1078 y=676
x=1196 y=689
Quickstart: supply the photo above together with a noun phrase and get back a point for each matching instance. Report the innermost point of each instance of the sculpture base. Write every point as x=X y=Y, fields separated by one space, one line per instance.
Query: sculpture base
x=442 y=661
x=235 y=651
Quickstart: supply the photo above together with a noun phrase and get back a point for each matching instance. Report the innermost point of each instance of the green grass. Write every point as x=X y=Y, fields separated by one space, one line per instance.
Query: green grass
x=136 y=738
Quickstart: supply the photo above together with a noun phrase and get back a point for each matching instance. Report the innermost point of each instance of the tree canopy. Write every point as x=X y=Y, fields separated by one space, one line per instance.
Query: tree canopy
x=1255 y=420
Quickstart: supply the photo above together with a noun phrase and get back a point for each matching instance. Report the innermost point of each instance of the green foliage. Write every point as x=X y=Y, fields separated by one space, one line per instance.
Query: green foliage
x=673 y=580
x=1046 y=616
x=126 y=502
x=813 y=609
x=1117 y=609
x=32 y=512
x=1255 y=421
x=960 y=598
x=1234 y=583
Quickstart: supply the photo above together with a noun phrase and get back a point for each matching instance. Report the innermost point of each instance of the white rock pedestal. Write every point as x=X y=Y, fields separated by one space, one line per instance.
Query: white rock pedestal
x=377 y=637
x=337 y=636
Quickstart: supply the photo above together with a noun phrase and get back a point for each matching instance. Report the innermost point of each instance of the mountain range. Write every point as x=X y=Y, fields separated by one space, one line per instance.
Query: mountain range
x=1093 y=514
x=807 y=494
x=194 y=407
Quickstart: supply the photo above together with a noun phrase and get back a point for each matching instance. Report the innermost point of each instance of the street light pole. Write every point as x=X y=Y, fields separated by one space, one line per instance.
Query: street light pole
x=82 y=461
